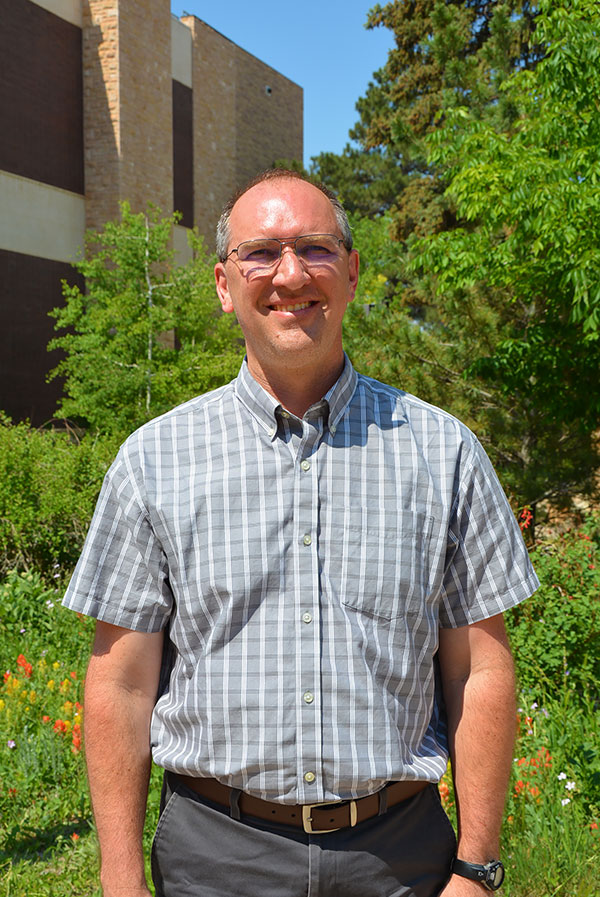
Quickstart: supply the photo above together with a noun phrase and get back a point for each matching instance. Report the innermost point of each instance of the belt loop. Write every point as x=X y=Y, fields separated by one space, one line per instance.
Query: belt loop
x=383 y=800
x=234 y=803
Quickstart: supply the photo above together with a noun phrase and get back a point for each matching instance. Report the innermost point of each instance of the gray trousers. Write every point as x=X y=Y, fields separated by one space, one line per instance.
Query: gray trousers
x=200 y=851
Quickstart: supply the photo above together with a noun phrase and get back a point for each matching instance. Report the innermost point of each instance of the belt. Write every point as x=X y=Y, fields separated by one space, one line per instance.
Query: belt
x=313 y=818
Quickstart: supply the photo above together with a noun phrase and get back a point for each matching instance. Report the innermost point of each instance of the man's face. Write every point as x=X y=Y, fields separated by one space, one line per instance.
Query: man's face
x=291 y=315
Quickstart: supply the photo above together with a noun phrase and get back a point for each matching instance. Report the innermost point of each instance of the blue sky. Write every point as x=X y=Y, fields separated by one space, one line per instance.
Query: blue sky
x=322 y=46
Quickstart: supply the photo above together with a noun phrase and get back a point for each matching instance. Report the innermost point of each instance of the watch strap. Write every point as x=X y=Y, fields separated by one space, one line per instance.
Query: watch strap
x=486 y=874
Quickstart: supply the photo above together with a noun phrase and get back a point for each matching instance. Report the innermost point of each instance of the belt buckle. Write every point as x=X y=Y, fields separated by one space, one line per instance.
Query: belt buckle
x=307 y=818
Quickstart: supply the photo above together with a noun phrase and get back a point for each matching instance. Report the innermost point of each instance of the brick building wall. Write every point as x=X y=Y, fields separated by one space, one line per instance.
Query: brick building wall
x=110 y=100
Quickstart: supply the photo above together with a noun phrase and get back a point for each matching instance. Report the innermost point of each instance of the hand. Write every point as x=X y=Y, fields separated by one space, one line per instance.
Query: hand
x=462 y=887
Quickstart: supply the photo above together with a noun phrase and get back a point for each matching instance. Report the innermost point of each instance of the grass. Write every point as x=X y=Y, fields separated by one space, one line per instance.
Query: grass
x=47 y=841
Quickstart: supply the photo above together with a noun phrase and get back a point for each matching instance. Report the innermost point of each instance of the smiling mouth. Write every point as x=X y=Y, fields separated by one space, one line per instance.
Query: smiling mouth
x=297 y=307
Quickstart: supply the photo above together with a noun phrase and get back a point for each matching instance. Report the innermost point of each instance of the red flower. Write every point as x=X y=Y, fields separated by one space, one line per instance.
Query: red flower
x=60 y=726
x=27 y=667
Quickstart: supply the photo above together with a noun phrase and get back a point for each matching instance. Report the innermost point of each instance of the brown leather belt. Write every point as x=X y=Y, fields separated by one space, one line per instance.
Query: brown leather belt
x=313 y=818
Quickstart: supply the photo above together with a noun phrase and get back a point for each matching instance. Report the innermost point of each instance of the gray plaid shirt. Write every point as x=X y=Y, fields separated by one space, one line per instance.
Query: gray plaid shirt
x=303 y=568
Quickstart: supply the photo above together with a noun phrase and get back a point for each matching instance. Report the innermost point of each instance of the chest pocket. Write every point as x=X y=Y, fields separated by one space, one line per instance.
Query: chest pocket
x=385 y=573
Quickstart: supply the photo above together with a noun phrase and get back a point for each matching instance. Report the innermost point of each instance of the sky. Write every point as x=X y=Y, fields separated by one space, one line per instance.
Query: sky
x=322 y=45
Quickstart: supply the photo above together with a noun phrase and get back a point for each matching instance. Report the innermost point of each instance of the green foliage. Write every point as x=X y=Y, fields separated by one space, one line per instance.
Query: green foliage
x=49 y=482
x=146 y=334
x=555 y=634
x=495 y=320
x=447 y=53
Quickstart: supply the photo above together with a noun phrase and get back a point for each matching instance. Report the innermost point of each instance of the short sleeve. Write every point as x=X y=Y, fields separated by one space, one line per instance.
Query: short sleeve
x=487 y=568
x=122 y=574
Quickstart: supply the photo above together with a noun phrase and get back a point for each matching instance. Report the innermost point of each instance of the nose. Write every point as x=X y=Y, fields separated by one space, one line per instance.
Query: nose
x=290 y=270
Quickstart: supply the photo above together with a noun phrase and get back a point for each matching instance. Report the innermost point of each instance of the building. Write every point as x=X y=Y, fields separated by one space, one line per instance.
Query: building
x=110 y=100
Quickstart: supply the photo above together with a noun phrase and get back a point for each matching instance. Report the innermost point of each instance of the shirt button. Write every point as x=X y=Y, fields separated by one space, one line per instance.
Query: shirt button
x=307 y=539
x=309 y=777
x=305 y=465
x=272 y=431
x=332 y=429
x=285 y=414
x=307 y=618
x=308 y=697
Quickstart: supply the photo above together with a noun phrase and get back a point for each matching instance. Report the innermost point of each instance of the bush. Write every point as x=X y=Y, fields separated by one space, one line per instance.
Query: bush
x=555 y=634
x=49 y=482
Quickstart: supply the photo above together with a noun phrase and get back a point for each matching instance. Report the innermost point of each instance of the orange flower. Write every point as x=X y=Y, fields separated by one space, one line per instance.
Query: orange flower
x=60 y=726
x=26 y=667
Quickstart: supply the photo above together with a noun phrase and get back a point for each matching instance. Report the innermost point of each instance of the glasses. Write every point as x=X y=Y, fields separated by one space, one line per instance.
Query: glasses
x=311 y=249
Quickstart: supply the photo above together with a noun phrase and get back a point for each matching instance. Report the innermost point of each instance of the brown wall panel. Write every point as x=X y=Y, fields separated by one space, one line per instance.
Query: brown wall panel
x=41 y=96
x=29 y=288
x=183 y=153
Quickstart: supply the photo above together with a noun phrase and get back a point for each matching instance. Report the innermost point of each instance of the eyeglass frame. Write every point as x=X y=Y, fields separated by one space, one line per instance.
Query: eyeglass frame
x=290 y=242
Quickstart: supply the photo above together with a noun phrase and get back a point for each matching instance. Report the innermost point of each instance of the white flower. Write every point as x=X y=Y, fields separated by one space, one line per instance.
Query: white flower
x=534 y=706
x=561 y=775
x=569 y=786
x=565 y=801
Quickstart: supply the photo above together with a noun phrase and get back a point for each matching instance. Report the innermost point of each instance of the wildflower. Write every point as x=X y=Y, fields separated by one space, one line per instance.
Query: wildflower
x=565 y=801
x=56 y=665
x=45 y=719
x=2 y=704
x=68 y=707
x=593 y=826
x=12 y=792
x=26 y=667
x=49 y=603
x=11 y=744
x=73 y=674
x=60 y=726
x=570 y=786
x=75 y=837
x=7 y=675
x=50 y=684
x=561 y=776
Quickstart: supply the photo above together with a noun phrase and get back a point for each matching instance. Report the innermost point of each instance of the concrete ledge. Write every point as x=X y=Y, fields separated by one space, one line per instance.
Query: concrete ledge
x=39 y=220
x=69 y=10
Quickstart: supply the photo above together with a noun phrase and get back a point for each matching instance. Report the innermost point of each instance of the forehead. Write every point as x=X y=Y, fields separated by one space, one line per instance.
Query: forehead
x=281 y=208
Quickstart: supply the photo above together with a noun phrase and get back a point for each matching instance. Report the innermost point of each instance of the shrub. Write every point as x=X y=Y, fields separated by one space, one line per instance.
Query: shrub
x=555 y=634
x=49 y=482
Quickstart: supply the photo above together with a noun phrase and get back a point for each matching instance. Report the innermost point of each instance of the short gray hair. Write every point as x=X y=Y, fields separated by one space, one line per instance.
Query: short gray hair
x=272 y=174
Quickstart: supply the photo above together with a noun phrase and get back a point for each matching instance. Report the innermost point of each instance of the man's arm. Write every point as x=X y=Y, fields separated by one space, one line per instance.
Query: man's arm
x=120 y=693
x=479 y=691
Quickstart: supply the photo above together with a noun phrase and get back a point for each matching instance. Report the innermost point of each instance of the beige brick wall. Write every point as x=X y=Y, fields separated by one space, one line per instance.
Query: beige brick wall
x=101 y=110
x=146 y=103
x=127 y=106
x=239 y=127
x=246 y=115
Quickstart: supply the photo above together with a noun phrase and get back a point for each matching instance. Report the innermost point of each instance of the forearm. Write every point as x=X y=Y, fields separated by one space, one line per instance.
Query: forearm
x=120 y=693
x=117 y=746
x=481 y=716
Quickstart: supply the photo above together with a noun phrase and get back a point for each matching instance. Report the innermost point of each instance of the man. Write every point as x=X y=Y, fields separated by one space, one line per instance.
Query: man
x=318 y=564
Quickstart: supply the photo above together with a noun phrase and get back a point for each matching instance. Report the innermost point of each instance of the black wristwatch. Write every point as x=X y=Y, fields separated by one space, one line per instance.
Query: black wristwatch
x=490 y=876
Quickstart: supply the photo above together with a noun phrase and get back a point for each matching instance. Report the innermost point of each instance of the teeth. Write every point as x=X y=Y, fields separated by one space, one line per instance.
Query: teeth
x=297 y=307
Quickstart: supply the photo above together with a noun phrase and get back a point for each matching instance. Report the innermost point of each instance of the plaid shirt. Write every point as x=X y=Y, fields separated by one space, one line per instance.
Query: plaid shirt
x=303 y=568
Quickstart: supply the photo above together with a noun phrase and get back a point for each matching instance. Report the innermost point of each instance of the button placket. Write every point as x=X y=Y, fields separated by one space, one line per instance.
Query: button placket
x=308 y=658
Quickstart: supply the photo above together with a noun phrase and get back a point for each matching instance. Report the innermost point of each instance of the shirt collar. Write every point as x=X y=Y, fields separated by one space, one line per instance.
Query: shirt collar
x=263 y=406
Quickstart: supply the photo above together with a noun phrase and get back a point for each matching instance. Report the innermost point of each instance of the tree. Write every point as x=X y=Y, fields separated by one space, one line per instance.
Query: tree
x=512 y=340
x=146 y=334
x=447 y=53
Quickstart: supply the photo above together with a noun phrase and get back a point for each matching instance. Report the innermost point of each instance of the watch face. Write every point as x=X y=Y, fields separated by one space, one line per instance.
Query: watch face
x=496 y=875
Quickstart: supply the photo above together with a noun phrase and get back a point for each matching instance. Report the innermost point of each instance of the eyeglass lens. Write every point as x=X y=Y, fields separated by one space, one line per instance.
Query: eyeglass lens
x=311 y=249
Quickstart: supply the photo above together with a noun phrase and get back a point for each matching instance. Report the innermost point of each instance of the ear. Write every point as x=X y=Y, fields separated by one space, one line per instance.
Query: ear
x=223 y=288
x=353 y=268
